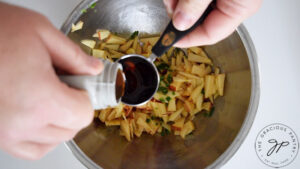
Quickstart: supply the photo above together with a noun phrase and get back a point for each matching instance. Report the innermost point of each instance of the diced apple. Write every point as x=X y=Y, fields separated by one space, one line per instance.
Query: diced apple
x=196 y=92
x=77 y=26
x=199 y=70
x=142 y=123
x=113 y=39
x=172 y=105
x=99 y=53
x=135 y=42
x=130 y=51
x=126 y=46
x=209 y=86
x=103 y=114
x=151 y=40
x=89 y=43
x=173 y=63
x=115 y=54
x=116 y=122
x=174 y=116
x=103 y=34
x=188 y=127
x=125 y=129
x=199 y=59
x=188 y=106
x=179 y=123
x=196 y=50
x=138 y=49
x=199 y=102
x=112 y=46
x=220 y=79
x=111 y=115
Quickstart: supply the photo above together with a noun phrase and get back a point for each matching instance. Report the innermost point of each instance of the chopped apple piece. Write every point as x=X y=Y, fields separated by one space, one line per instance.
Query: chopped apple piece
x=174 y=116
x=188 y=106
x=138 y=49
x=199 y=59
x=196 y=92
x=126 y=46
x=77 y=26
x=196 y=50
x=125 y=129
x=151 y=40
x=112 y=46
x=173 y=61
x=111 y=115
x=220 y=78
x=103 y=34
x=142 y=123
x=209 y=87
x=104 y=114
x=89 y=43
x=172 y=105
x=113 y=39
x=99 y=53
x=188 y=127
x=199 y=70
x=130 y=51
x=135 y=42
x=178 y=124
x=199 y=102
x=116 y=122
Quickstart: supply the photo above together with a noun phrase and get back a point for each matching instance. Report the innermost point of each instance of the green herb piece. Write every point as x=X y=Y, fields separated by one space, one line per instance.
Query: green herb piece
x=202 y=91
x=169 y=78
x=152 y=117
x=163 y=66
x=166 y=84
x=162 y=100
x=173 y=92
x=164 y=132
x=164 y=90
x=148 y=120
x=83 y=11
x=134 y=34
x=211 y=112
x=168 y=98
x=93 y=5
x=162 y=78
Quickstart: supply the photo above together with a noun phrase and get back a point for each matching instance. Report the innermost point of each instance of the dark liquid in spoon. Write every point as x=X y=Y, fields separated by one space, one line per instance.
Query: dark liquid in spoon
x=141 y=80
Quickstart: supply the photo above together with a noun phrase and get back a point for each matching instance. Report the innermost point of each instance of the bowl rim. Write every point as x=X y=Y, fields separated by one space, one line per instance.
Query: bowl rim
x=251 y=112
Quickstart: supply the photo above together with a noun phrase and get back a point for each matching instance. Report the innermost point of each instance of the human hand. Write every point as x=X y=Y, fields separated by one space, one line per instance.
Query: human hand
x=219 y=24
x=37 y=111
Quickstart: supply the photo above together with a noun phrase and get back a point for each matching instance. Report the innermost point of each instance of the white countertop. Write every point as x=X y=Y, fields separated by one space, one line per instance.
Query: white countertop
x=275 y=31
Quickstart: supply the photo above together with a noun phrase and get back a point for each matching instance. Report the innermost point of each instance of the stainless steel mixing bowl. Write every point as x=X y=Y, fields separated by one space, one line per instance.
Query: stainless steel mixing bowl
x=215 y=139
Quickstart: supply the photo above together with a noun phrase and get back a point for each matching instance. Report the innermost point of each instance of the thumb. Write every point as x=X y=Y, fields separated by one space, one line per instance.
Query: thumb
x=66 y=55
x=188 y=12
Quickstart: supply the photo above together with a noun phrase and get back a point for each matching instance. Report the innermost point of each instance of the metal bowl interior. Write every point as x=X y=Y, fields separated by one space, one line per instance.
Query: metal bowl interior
x=215 y=139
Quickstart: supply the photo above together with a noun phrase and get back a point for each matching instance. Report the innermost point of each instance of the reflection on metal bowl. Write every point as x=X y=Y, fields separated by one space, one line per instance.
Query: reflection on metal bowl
x=215 y=139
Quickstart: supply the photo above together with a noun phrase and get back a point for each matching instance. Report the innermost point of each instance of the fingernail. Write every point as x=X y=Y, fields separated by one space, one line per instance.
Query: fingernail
x=182 y=21
x=96 y=64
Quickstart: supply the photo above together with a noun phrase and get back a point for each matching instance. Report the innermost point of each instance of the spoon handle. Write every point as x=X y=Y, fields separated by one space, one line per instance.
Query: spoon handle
x=171 y=35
